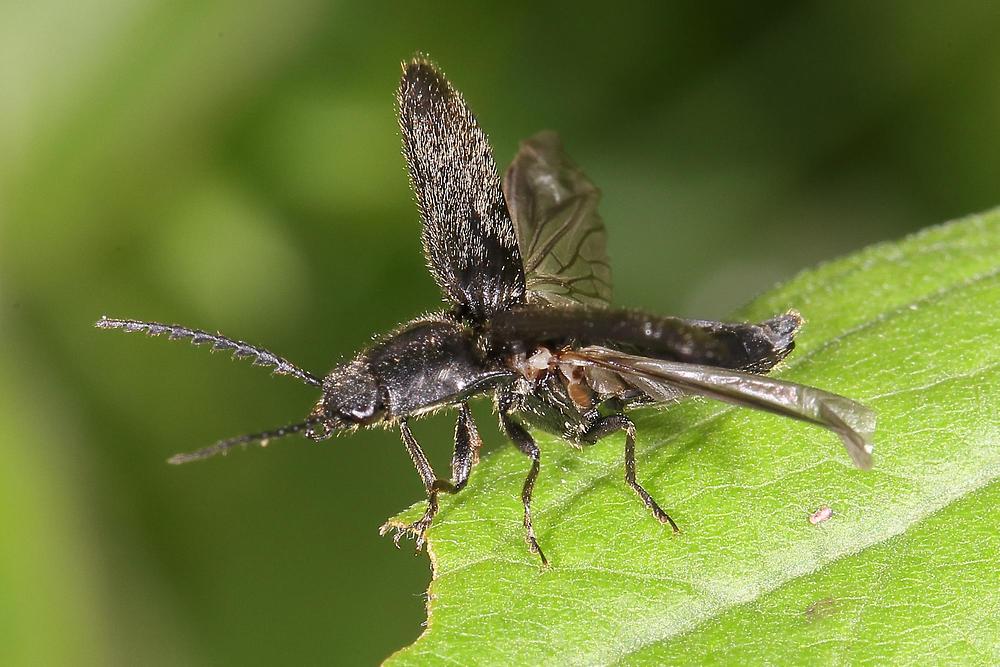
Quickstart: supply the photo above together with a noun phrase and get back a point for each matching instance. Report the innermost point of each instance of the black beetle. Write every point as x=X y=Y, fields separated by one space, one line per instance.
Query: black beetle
x=522 y=264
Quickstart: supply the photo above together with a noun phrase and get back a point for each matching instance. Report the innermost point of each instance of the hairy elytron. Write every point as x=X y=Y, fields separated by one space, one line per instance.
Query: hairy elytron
x=522 y=264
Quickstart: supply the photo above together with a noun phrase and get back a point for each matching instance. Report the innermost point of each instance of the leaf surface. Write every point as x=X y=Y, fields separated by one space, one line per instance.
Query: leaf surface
x=903 y=571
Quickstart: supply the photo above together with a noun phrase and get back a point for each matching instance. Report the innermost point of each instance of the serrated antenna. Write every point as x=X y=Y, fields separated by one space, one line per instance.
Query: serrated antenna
x=240 y=350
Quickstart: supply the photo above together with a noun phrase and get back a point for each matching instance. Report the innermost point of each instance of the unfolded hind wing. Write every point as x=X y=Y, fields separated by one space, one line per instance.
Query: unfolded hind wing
x=664 y=380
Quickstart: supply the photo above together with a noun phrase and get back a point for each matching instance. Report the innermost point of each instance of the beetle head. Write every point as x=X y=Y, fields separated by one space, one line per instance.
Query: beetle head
x=351 y=397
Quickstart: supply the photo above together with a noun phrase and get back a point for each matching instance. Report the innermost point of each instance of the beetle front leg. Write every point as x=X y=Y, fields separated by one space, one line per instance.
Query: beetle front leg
x=417 y=529
x=467 y=444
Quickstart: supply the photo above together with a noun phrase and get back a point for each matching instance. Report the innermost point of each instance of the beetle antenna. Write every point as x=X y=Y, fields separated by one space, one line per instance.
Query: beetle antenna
x=223 y=446
x=240 y=350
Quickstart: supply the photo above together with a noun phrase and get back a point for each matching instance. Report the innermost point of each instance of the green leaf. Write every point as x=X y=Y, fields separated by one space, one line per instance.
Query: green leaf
x=903 y=571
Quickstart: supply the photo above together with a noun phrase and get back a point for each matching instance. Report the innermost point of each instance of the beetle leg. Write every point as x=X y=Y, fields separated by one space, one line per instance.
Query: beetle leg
x=417 y=529
x=467 y=443
x=527 y=445
x=620 y=422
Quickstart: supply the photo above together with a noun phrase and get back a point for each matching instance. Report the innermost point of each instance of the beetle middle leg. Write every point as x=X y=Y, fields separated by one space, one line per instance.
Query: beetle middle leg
x=527 y=445
x=619 y=422
x=467 y=444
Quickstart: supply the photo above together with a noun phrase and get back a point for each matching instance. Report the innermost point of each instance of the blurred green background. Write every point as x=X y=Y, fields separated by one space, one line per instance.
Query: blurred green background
x=235 y=166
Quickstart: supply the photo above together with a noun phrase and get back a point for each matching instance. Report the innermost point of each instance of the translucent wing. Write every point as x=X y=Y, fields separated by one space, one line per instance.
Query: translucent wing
x=664 y=380
x=561 y=236
x=469 y=239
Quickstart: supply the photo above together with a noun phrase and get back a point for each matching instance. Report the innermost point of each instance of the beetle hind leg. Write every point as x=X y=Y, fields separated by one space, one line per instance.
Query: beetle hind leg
x=620 y=422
